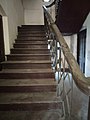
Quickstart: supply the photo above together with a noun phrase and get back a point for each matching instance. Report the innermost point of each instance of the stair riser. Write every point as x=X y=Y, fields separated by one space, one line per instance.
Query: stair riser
x=28 y=58
x=26 y=66
x=33 y=26
x=30 y=106
x=26 y=37
x=29 y=46
x=31 y=32
x=13 y=51
x=26 y=75
x=21 y=89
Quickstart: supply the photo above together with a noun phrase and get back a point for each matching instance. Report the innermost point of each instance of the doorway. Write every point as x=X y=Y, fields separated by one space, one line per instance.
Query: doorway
x=81 y=49
x=2 y=52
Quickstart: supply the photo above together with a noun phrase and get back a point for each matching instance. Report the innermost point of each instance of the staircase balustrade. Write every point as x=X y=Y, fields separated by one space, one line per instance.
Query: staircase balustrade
x=66 y=68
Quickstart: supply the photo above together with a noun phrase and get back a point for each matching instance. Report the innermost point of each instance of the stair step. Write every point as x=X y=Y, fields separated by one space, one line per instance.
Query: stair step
x=33 y=26
x=28 y=57
x=27 y=82
x=31 y=41
x=26 y=64
x=26 y=37
x=31 y=35
x=32 y=88
x=27 y=85
x=31 y=32
x=29 y=51
x=32 y=38
x=50 y=114
x=26 y=73
x=27 y=45
x=29 y=101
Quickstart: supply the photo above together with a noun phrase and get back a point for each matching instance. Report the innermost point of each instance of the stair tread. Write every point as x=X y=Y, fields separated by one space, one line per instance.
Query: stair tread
x=31 y=48
x=51 y=114
x=30 y=43
x=33 y=39
x=35 y=97
x=26 y=71
x=31 y=35
x=27 y=61
x=31 y=30
x=27 y=82
x=39 y=37
x=27 y=54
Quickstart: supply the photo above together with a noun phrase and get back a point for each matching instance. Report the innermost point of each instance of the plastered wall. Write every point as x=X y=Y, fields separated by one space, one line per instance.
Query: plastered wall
x=14 y=11
x=73 y=45
x=33 y=12
x=87 y=63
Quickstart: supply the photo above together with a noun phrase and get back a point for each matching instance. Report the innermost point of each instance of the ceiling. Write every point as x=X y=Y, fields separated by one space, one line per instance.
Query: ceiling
x=71 y=15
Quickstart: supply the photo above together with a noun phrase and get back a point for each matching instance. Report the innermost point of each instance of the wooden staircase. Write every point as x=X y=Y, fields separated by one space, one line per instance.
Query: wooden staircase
x=27 y=84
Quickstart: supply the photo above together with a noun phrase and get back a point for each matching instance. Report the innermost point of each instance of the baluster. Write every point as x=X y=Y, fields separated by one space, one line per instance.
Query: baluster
x=64 y=90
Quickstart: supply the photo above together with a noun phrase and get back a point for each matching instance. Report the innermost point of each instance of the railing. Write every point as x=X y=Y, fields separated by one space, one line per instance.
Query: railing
x=56 y=3
x=65 y=66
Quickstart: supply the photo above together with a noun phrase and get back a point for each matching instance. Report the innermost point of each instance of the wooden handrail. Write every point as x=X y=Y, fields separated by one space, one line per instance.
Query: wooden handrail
x=82 y=82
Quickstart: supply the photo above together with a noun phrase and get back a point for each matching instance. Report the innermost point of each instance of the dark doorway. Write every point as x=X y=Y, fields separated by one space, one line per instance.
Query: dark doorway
x=2 y=53
x=81 y=49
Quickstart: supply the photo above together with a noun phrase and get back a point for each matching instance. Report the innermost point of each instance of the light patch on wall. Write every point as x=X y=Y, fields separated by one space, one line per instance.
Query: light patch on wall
x=46 y=0
x=6 y=35
x=88 y=56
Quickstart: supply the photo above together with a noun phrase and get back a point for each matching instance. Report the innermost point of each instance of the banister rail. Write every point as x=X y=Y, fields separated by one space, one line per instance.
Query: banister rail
x=82 y=82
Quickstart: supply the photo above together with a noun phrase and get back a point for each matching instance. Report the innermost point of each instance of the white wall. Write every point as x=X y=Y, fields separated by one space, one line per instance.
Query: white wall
x=73 y=45
x=68 y=40
x=87 y=63
x=33 y=12
x=6 y=35
x=86 y=25
x=14 y=12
